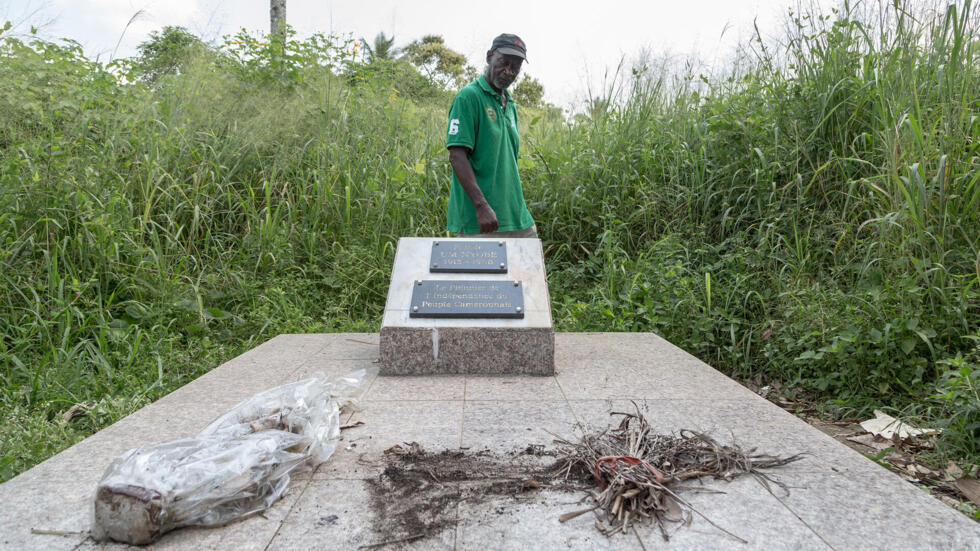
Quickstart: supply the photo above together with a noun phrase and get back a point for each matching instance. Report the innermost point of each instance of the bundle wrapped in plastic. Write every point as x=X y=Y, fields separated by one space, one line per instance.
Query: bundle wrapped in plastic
x=237 y=466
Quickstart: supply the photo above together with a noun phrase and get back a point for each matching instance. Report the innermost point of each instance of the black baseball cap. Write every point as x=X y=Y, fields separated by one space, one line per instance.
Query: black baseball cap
x=510 y=44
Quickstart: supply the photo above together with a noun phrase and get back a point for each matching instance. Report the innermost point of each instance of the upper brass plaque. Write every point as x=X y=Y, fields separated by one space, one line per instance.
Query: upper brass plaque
x=484 y=256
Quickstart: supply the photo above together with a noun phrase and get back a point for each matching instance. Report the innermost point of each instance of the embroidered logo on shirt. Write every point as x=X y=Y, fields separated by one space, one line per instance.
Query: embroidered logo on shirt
x=491 y=113
x=454 y=127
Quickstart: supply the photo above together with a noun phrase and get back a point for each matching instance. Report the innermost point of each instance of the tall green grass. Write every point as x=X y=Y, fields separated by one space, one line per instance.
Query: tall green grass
x=810 y=218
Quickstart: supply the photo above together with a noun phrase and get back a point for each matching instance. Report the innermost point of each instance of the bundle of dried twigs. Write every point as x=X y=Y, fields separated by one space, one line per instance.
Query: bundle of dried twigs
x=637 y=472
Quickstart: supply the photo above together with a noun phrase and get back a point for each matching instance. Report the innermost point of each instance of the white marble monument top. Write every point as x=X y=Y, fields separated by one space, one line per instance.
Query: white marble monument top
x=525 y=262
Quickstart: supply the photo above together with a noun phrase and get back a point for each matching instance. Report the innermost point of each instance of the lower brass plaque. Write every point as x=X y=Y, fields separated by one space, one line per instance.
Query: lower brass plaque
x=467 y=299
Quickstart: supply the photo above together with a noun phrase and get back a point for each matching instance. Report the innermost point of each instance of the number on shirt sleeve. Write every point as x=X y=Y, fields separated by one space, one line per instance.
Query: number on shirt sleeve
x=462 y=121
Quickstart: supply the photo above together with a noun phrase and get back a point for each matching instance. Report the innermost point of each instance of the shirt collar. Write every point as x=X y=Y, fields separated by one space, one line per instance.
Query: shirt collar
x=489 y=89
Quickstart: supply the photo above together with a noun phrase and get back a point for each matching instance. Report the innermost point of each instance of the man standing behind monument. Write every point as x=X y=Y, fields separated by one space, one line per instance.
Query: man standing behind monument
x=486 y=198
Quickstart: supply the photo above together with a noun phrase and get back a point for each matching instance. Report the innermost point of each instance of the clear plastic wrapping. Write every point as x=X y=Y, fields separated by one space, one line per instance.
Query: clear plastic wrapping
x=237 y=466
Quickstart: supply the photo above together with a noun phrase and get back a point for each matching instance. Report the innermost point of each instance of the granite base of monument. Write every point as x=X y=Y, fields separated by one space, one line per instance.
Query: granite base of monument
x=463 y=323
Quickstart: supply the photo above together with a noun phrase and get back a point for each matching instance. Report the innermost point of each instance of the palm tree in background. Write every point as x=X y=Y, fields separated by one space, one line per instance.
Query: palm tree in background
x=383 y=48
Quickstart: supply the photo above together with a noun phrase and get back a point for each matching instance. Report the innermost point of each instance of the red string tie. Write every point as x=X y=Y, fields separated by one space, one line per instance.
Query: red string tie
x=629 y=461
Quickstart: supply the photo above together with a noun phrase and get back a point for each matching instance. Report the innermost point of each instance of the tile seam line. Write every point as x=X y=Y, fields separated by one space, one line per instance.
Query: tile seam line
x=568 y=402
x=796 y=515
x=371 y=401
x=525 y=400
x=88 y=536
x=285 y=517
x=459 y=499
x=411 y=401
x=462 y=428
x=477 y=401
x=308 y=362
x=292 y=375
x=305 y=362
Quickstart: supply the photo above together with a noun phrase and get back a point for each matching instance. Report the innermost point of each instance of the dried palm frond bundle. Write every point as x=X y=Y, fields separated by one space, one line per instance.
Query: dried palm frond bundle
x=638 y=472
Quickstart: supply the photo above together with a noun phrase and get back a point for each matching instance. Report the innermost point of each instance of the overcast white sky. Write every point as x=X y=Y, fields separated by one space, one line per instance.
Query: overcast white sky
x=571 y=43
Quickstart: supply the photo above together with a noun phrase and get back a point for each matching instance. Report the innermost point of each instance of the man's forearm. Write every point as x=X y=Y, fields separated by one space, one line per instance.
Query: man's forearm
x=464 y=173
x=485 y=215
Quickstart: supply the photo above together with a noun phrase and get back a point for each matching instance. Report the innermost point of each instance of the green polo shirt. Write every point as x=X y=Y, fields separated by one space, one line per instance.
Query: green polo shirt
x=489 y=131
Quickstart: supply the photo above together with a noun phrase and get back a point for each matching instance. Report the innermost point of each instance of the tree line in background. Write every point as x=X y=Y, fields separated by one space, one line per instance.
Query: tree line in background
x=423 y=69
x=808 y=221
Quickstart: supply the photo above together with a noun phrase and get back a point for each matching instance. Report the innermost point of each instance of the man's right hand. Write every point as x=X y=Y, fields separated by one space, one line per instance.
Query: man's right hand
x=486 y=218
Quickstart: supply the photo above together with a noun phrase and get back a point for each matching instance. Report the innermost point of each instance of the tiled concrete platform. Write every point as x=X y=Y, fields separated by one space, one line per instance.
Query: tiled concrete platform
x=838 y=499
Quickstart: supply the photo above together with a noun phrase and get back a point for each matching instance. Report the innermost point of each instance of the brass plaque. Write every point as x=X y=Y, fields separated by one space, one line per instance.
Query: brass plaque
x=484 y=256
x=467 y=299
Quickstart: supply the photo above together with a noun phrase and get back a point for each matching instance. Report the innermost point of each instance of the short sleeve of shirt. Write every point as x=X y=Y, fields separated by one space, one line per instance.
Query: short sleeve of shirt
x=463 y=120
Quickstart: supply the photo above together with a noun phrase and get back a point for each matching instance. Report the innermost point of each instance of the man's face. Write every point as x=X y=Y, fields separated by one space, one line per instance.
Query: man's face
x=502 y=69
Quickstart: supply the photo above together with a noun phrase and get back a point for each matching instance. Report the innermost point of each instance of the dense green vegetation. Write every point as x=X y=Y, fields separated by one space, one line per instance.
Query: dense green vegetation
x=811 y=218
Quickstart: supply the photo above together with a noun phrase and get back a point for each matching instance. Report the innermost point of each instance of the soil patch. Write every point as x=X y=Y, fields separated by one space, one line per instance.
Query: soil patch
x=417 y=494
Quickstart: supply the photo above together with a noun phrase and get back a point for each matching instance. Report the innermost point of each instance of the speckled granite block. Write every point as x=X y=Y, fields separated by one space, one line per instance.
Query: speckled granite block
x=425 y=346
x=467 y=350
x=406 y=350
